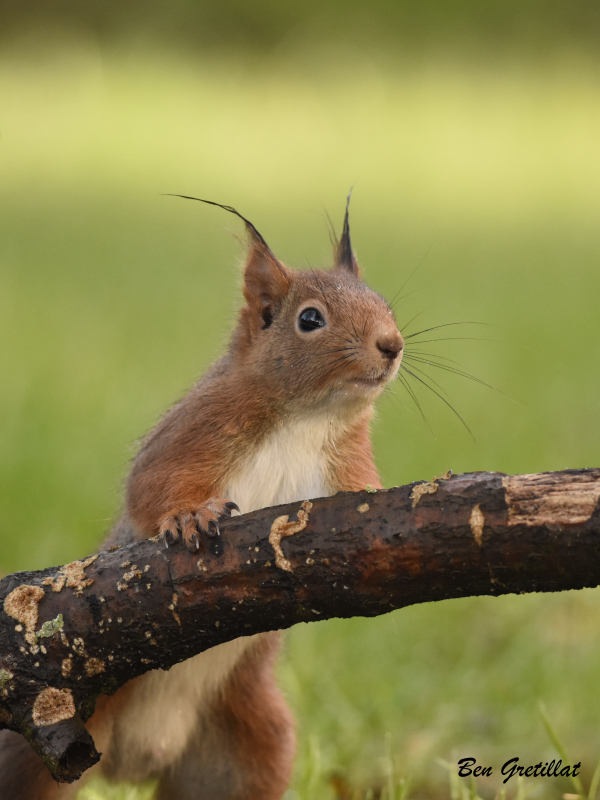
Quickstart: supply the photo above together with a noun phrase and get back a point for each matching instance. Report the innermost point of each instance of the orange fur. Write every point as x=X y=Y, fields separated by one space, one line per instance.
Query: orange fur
x=355 y=469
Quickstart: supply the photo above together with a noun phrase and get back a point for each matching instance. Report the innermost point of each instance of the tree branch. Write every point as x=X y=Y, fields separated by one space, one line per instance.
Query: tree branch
x=71 y=633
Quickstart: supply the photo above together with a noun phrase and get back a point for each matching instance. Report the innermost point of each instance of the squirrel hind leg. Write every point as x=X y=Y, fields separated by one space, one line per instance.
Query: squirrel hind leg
x=243 y=748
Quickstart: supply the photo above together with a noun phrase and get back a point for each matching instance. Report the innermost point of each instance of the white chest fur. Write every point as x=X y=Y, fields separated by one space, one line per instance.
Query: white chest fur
x=290 y=464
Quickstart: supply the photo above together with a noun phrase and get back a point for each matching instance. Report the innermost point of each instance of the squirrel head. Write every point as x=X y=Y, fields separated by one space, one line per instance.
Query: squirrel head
x=312 y=338
x=315 y=337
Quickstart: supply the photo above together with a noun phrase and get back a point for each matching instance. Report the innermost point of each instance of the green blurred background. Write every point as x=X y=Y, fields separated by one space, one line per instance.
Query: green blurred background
x=471 y=133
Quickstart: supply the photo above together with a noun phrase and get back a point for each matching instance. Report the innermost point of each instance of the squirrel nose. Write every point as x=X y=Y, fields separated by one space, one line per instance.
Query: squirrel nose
x=390 y=345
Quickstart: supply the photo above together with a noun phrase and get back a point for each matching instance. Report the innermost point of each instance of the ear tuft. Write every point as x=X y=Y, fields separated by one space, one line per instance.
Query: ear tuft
x=266 y=280
x=344 y=255
x=252 y=231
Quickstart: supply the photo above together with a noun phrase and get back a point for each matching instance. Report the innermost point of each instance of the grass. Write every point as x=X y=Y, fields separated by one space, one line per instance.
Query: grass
x=113 y=299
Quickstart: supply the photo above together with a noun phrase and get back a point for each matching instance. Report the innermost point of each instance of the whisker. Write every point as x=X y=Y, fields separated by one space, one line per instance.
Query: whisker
x=343 y=338
x=435 y=383
x=353 y=336
x=347 y=359
x=399 y=404
x=412 y=320
x=340 y=350
x=412 y=273
x=453 y=370
x=445 y=325
x=458 y=339
x=443 y=399
x=425 y=354
x=389 y=393
x=408 y=294
x=415 y=400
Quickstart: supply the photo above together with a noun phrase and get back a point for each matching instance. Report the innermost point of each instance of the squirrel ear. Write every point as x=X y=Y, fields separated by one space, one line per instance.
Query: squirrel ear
x=344 y=255
x=266 y=280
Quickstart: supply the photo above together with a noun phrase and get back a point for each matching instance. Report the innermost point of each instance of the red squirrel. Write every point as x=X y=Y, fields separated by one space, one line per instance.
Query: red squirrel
x=282 y=416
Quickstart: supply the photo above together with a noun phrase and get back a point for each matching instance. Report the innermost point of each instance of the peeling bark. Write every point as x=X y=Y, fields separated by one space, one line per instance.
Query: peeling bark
x=71 y=633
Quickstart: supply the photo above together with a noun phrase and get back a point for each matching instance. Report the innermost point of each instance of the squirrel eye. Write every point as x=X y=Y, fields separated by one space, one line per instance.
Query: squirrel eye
x=310 y=319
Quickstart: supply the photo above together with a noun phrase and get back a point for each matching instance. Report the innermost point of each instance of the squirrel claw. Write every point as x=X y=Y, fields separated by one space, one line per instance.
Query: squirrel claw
x=229 y=507
x=213 y=528
x=192 y=543
x=170 y=538
x=168 y=531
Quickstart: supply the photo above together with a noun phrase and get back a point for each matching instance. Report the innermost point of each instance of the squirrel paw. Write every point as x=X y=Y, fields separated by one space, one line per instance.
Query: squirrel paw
x=202 y=518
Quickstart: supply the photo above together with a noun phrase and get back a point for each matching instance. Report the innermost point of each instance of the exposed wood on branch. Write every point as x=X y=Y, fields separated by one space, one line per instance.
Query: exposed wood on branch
x=69 y=634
